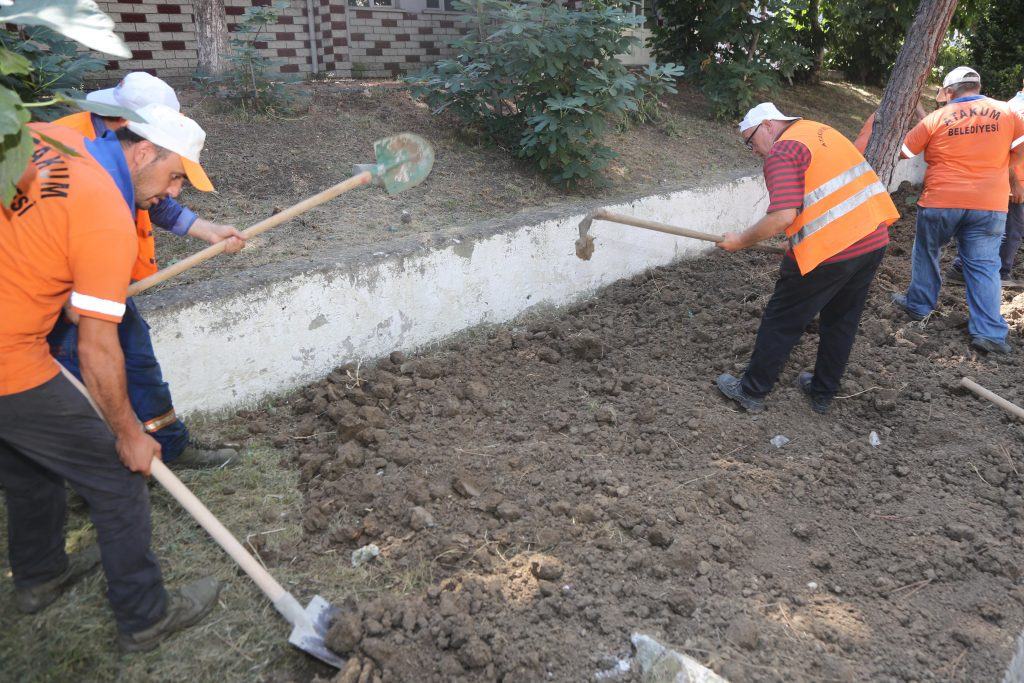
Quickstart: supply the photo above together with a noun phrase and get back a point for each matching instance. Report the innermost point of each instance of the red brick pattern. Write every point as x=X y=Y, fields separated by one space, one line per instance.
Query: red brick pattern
x=350 y=42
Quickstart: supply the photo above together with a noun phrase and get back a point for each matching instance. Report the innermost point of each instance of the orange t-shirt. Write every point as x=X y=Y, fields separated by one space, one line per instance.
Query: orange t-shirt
x=861 y=143
x=1016 y=105
x=67 y=232
x=967 y=147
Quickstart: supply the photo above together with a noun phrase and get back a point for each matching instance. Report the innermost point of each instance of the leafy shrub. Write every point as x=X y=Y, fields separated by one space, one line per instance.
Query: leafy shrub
x=247 y=85
x=736 y=52
x=998 y=49
x=955 y=51
x=54 y=67
x=544 y=81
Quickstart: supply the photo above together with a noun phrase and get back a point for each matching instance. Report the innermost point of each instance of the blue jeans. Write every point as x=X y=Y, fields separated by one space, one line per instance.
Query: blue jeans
x=149 y=394
x=1011 y=242
x=978 y=235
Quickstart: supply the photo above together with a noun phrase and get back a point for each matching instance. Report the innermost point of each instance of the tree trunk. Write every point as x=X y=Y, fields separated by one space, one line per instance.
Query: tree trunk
x=817 y=40
x=211 y=35
x=916 y=57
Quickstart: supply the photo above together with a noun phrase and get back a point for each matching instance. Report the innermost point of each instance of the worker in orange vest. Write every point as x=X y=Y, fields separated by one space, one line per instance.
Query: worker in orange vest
x=861 y=141
x=836 y=213
x=149 y=393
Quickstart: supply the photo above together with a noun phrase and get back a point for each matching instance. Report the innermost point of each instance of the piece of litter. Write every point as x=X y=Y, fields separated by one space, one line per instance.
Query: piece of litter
x=779 y=441
x=659 y=663
x=813 y=585
x=364 y=554
x=873 y=439
x=622 y=666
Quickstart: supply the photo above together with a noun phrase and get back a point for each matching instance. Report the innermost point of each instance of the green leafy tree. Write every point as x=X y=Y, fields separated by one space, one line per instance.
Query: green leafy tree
x=545 y=81
x=80 y=20
x=736 y=52
x=997 y=47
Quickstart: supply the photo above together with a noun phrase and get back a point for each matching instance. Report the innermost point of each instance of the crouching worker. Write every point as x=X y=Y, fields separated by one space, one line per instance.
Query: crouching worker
x=150 y=395
x=68 y=234
x=836 y=213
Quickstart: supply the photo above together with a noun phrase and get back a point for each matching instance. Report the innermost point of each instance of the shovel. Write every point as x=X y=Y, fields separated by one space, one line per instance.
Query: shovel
x=403 y=162
x=309 y=625
x=585 y=243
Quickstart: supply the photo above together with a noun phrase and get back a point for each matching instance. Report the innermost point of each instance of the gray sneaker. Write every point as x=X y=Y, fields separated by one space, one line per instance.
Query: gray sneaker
x=37 y=598
x=819 y=404
x=990 y=345
x=195 y=457
x=186 y=606
x=731 y=387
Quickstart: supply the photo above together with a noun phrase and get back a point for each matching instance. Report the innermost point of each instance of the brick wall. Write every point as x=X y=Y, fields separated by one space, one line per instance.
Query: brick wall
x=350 y=41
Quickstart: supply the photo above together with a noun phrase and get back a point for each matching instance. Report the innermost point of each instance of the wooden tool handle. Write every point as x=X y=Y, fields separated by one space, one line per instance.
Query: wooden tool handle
x=267 y=583
x=305 y=205
x=977 y=389
x=601 y=214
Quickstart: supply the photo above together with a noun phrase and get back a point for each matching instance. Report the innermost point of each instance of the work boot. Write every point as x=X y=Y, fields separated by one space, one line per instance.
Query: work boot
x=198 y=457
x=900 y=301
x=186 y=606
x=35 y=599
x=990 y=345
x=819 y=404
x=956 y=275
x=731 y=387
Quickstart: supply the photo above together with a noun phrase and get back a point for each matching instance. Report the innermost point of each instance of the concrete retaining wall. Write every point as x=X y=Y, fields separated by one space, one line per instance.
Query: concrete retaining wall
x=226 y=343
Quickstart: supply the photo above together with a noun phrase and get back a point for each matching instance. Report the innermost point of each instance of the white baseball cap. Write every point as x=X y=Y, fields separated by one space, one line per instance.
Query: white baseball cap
x=766 y=111
x=961 y=74
x=135 y=91
x=176 y=133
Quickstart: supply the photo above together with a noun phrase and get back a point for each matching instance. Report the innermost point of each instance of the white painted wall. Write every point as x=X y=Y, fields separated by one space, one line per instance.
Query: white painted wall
x=279 y=335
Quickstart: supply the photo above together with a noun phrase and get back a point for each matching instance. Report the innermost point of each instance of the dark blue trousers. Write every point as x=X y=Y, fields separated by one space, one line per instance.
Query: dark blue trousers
x=149 y=394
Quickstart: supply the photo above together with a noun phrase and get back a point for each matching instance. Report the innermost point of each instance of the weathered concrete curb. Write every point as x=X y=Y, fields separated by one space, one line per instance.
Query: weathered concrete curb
x=229 y=342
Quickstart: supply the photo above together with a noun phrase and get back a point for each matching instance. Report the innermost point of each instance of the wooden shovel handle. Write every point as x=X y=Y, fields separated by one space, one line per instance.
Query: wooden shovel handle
x=305 y=205
x=601 y=214
x=978 y=390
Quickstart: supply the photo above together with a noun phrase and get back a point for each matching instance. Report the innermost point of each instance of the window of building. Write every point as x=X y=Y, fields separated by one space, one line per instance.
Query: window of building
x=436 y=4
x=371 y=3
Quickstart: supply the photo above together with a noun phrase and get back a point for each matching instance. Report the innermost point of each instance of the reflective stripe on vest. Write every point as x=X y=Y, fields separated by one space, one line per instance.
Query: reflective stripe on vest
x=843 y=199
x=145 y=264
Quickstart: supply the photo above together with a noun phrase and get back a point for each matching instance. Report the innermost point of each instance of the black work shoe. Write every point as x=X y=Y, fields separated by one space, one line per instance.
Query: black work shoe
x=730 y=386
x=901 y=301
x=989 y=345
x=186 y=606
x=819 y=404
x=195 y=457
x=37 y=598
x=955 y=275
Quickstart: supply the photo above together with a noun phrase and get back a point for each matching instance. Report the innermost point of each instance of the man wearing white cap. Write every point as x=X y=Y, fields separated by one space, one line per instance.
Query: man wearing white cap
x=969 y=145
x=150 y=394
x=68 y=237
x=836 y=213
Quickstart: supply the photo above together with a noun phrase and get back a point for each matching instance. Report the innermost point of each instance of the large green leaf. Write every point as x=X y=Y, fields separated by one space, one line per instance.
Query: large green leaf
x=13 y=115
x=80 y=20
x=108 y=110
x=13 y=63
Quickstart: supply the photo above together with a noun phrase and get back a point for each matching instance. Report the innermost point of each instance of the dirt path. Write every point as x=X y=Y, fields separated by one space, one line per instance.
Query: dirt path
x=539 y=493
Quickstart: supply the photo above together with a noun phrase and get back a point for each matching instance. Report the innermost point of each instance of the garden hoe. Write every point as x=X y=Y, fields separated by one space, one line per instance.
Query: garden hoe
x=309 y=625
x=403 y=162
x=585 y=244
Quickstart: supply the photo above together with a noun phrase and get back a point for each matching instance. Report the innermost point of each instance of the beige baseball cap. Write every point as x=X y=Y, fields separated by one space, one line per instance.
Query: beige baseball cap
x=766 y=111
x=177 y=133
x=135 y=91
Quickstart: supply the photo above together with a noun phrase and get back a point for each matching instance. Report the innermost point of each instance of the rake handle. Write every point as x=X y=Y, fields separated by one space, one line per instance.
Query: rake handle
x=601 y=214
x=364 y=178
x=982 y=392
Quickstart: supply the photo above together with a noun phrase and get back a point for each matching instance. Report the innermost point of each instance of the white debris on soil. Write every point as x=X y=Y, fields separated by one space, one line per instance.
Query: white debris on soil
x=874 y=440
x=621 y=668
x=662 y=665
x=1015 y=672
x=779 y=440
x=364 y=554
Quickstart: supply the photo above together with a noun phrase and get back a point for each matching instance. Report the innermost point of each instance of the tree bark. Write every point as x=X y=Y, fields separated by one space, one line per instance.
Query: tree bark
x=817 y=40
x=211 y=35
x=916 y=57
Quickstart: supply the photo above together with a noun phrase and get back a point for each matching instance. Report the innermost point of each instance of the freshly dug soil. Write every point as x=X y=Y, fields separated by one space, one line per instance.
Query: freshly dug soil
x=540 y=492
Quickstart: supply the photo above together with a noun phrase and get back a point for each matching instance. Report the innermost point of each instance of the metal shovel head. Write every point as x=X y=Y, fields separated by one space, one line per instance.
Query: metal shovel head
x=309 y=637
x=403 y=161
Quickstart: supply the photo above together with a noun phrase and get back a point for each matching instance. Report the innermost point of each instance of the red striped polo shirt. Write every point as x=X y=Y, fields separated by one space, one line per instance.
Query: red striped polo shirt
x=784 y=171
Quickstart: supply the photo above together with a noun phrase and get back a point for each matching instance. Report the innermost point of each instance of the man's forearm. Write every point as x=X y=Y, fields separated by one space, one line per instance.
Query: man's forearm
x=102 y=363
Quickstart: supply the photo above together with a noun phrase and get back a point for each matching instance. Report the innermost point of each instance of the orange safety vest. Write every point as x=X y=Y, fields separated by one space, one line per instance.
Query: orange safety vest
x=843 y=198
x=145 y=264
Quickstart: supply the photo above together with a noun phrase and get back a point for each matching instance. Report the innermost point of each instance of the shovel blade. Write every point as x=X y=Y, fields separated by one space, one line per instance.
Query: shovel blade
x=309 y=637
x=403 y=162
